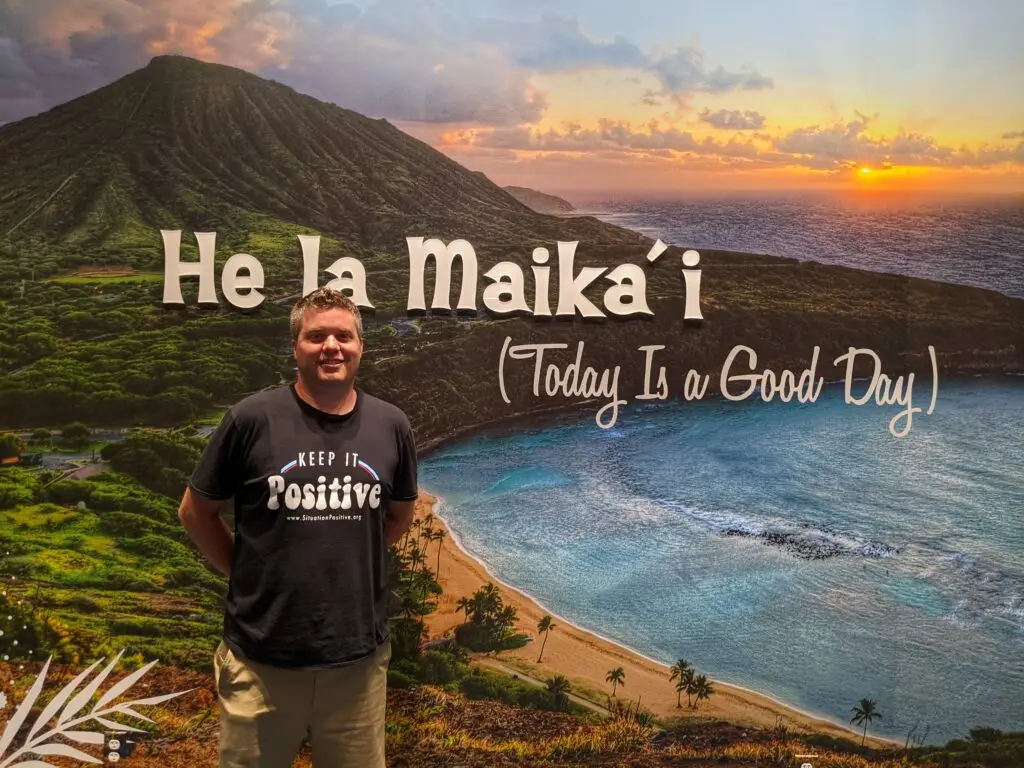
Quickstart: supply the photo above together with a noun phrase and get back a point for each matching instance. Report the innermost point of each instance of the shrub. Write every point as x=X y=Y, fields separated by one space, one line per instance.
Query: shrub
x=158 y=547
x=482 y=639
x=397 y=679
x=184 y=577
x=439 y=668
x=118 y=577
x=69 y=492
x=13 y=495
x=125 y=524
x=84 y=603
x=486 y=686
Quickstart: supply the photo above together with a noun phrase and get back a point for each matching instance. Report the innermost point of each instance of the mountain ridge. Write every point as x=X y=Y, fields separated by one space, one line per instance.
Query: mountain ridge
x=185 y=142
x=542 y=202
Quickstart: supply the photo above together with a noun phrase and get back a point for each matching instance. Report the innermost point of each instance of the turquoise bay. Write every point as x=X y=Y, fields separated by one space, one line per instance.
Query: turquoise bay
x=799 y=550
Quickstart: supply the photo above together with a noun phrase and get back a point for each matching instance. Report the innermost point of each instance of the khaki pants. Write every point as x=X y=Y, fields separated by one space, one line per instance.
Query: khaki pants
x=266 y=712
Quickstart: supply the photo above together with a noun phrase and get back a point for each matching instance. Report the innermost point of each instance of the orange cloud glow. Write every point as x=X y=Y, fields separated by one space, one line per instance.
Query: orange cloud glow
x=192 y=41
x=659 y=154
x=231 y=32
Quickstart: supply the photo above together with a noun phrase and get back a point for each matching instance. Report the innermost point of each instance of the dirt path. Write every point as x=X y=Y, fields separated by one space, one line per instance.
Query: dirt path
x=497 y=665
x=486 y=662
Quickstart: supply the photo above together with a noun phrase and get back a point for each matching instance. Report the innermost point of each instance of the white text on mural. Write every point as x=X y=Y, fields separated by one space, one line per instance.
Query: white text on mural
x=242 y=279
x=551 y=375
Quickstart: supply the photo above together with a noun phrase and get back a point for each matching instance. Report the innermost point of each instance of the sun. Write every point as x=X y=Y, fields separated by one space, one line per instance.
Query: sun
x=865 y=171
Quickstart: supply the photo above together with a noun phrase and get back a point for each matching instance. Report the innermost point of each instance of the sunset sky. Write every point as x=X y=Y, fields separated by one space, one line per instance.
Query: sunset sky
x=572 y=96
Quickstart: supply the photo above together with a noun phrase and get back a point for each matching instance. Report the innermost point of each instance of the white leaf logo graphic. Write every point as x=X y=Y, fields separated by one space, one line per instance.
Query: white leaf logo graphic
x=40 y=742
x=76 y=704
x=58 y=700
x=26 y=706
x=124 y=685
x=85 y=737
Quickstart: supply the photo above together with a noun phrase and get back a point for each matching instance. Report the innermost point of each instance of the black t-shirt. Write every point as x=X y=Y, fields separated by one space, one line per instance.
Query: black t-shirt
x=309 y=573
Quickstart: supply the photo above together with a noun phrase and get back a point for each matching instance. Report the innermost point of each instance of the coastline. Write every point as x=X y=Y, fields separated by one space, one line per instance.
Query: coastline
x=584 y=656
x=547 y=417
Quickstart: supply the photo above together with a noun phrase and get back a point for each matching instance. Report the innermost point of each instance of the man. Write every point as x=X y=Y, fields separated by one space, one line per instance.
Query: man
x=323 y=478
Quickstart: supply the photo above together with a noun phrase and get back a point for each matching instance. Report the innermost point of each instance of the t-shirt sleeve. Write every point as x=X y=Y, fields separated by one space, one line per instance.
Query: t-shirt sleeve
x=218 y=471
x=406 y=485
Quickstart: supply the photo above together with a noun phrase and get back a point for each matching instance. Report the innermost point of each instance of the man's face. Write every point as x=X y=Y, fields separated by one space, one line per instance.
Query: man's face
x=328 y=349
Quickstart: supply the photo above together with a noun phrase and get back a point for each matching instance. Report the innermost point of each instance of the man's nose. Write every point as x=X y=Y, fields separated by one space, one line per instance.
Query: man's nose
x=331 y=341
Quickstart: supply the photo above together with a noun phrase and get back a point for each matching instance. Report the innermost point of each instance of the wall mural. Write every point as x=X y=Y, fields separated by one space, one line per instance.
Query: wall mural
x=709 y=323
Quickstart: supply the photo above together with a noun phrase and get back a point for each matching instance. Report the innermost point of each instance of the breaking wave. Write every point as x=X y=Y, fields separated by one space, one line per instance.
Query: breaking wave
x=802 y=540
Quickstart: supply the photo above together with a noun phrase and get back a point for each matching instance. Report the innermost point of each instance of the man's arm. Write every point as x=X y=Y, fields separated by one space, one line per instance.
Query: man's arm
x=208 y=532
x=398 y=520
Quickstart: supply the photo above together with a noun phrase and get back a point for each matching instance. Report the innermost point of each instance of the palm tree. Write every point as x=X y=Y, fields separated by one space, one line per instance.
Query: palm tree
x=490 y=598
x=505 y=620
x=680 y=687
x=464 y=604
x=865 y=712
x=476 y=609
x=558 y=686
x=678 y=670
x=484 y=603
x=702 y=689
x=616 y=677
x=439 y=536
x=687 y=682
x=428 y=525
x=408 y=539
x=544 y=626
x=417 y=557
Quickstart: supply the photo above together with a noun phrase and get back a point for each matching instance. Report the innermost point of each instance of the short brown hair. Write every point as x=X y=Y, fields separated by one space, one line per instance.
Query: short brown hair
x=321 y=299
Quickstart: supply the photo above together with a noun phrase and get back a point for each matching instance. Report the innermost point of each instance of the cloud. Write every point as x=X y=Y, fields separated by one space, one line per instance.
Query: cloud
x=608 y=136
x=847 y=145
x=683 y=73
x=838 y=142
x=400 y=59
x=836 y=148
x=1014 y=135
x=51 y=53
x=382 y=66
x=556 y=44
x=733 y=119
x=435 y=61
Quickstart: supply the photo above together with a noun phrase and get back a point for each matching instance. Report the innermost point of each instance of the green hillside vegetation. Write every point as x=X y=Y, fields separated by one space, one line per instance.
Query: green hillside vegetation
x=104 y=563
x=107 y=355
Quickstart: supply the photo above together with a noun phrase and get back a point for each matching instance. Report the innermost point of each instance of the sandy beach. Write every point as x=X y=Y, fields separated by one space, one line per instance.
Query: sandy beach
x=585 y=658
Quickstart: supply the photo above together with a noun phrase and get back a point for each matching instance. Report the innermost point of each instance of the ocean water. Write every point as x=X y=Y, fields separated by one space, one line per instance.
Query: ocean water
x=973 y=241
x=799 y=550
